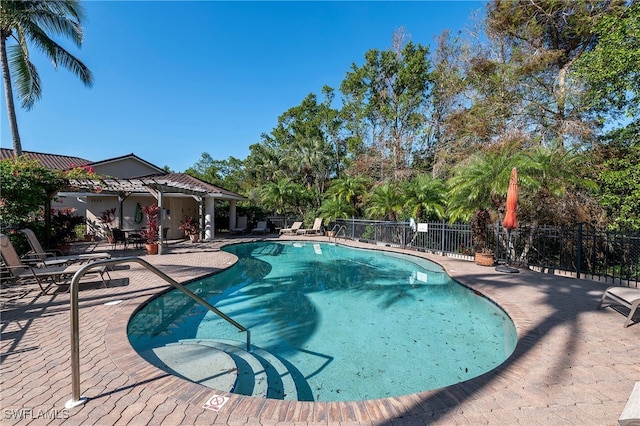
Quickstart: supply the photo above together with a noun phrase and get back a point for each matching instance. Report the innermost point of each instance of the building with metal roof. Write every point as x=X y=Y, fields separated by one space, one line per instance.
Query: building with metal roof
x=127 y=183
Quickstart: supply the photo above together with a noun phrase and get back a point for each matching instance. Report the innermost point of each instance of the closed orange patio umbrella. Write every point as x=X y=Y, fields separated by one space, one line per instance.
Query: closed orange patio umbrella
x=510 y=221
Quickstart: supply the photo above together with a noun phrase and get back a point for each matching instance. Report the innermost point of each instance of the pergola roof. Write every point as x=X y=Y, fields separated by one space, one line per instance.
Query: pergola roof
x=167 y=183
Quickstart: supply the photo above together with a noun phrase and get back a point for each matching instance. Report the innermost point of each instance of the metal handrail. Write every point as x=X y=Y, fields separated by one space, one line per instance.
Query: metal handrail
x=76 y=399
x=336 y=232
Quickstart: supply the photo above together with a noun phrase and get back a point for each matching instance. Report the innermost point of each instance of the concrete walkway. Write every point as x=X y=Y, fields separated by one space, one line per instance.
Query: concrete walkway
x=573 y=365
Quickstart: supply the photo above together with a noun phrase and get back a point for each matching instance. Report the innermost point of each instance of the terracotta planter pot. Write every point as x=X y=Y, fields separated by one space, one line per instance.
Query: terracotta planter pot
x=194 y=238
x=485 y=259
x=151 y=248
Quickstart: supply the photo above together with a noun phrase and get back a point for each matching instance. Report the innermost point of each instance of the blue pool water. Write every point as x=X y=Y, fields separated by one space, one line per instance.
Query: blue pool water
x=357 y=324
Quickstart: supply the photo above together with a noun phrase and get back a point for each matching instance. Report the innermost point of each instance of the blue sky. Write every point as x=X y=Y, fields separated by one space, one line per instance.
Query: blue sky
x=176 y=79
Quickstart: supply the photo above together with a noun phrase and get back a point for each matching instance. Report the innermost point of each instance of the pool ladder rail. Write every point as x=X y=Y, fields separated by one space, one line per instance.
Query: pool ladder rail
x=335 y=232
x=76 y=399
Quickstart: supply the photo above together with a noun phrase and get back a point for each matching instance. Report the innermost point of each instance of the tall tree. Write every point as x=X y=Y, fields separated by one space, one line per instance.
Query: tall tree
x=612 y=68
x=477 y=98
x=305 y=139
x=30 y=22
x=264 y=163
x=447 y=95
x=224 y=173
x=547 y=38
x=616 y=168
x=387 y=97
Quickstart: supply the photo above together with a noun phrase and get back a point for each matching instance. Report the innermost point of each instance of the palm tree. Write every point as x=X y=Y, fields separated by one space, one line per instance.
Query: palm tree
x=554 y=171
x=480 y=183
x=350 y=189
x=28 y=22
x=335 y=208
x=386 y=202
x=554 y=179
x=282 y=196
x=425 y=197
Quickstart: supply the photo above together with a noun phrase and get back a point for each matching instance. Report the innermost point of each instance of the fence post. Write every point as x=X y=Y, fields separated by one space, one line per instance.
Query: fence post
x=353 y=227
x=404 y=235
x=579 y=254
x=443 y=235
x=496 y=234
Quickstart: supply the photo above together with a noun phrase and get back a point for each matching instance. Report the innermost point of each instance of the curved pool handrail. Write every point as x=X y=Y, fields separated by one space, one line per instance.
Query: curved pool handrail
x=76 y=399
x=336 y=231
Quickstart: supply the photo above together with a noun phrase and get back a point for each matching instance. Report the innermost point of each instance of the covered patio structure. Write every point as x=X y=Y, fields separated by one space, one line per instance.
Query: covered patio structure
x=178 y=194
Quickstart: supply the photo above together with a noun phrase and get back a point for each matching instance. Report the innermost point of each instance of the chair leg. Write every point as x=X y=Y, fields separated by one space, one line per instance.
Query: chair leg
x=632 y=311
x=105 y=284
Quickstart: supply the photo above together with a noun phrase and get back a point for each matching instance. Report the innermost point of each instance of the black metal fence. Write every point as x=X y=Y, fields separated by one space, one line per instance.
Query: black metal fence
x=581 y=251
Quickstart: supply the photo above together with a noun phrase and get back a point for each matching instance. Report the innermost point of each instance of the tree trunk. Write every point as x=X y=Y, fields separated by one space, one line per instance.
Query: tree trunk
x=561 y=95
x=8 y=92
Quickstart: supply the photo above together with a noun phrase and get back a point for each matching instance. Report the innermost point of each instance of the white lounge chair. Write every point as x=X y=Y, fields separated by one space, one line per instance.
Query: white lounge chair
x=293 y=230
x=43 y=257
x=628 y=297
x=241 y=226
x=631 y=414
x=317 y=228
x=21 y=272
x=261 y=228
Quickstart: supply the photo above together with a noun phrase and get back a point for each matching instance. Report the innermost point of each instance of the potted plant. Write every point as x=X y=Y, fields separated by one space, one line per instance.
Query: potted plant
x=150 y=234
x=63 y=228
x=480 y=237
x=190 y=228
x=106 y=218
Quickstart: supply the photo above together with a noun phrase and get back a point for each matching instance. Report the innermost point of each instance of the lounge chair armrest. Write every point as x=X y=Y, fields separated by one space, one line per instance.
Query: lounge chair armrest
x=30 y=258
x=16 y=267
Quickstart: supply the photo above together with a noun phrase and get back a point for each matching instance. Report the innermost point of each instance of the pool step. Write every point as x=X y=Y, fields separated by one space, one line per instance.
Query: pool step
x=197 y=363
x=226 y=365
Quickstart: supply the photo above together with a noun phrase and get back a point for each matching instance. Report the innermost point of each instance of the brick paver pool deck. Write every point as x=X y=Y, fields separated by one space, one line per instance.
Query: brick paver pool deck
x=573 y=364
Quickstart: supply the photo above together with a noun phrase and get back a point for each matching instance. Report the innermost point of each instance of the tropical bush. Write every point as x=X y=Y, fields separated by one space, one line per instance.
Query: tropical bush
x=152 y=214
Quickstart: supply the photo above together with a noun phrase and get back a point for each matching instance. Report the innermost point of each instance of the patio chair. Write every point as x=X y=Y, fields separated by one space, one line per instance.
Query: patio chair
x=21 y=272
x=317 y=228
x=293 y=230
x=628 y=297
x=119 y=236
x=260 y=228
x=241 y=226
x=136 y=239
x=50 y=258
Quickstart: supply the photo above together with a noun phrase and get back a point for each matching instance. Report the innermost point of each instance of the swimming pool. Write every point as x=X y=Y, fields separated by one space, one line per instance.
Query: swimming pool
x=350 y=324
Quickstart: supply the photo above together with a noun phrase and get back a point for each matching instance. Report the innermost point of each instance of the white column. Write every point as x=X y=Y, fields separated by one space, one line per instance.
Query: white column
x=232 y=214
x=209 y=219
x=160 y=223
